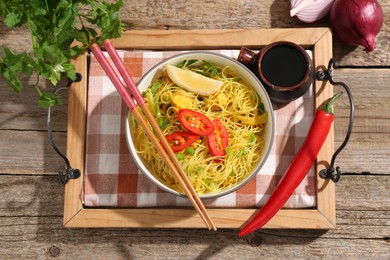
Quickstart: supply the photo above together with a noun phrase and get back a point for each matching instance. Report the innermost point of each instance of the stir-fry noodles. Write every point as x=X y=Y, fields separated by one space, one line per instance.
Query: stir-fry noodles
x=235 y=104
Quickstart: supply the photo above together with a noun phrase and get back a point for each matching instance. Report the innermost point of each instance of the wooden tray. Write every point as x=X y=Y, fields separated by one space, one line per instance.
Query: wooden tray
x=76 y=215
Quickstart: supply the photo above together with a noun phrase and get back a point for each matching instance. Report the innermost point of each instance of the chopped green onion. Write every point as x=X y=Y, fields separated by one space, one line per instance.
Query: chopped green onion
x=201 y=72
x=206 y=65
x=261 y=108
x=208 y=69
x=199 y=169
x=163 y=123
x=214 y=71
x=190 y=150
x=180 y=156
x=229 y=151
x=157 y=107
x=185 y=63
x=243 y=152
x=155 y=86
x=252 y=138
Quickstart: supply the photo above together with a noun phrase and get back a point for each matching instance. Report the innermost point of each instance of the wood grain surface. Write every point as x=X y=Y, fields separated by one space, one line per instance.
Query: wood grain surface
x=31 y=205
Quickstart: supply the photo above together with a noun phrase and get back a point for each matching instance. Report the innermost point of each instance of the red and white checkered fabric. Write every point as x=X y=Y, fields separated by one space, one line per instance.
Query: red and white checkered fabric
x=113 y=180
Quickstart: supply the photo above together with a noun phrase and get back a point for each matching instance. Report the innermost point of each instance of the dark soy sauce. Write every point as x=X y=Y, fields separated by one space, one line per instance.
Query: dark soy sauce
x=284 y=66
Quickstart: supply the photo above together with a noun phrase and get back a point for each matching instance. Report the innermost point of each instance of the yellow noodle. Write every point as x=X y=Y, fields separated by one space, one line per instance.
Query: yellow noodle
x=206 y=174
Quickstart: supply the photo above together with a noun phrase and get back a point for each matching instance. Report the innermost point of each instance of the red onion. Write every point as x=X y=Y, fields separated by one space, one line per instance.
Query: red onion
x=357 y=22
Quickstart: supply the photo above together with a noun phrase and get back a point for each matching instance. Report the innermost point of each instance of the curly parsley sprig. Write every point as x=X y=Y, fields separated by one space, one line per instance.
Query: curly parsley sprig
x=54 y=26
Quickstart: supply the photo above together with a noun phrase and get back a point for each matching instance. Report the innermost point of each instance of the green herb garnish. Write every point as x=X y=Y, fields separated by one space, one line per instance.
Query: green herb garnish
x=261 y=108
x=190 y=150
x=180 y=156
x=155 y=86
x=243 y=151
x=185 y=63
x=54 y=27
x=162 y=122
x=252 y=138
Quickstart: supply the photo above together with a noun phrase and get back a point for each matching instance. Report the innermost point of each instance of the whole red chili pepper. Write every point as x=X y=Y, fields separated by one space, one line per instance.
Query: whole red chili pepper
x=297 y=170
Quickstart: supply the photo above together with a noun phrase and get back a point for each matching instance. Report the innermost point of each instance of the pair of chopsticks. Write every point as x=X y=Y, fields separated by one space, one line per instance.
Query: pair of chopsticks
x=131 y=93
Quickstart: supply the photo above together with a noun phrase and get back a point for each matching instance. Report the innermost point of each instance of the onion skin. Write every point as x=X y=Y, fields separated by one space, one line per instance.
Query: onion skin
x=310 y=11
x=357 y=22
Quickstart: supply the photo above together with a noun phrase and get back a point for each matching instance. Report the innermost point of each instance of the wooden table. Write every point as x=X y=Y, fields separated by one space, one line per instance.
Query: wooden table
x=31 y=201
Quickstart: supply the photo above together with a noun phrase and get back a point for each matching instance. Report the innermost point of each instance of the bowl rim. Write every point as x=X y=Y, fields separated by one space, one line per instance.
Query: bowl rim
x=256 y=170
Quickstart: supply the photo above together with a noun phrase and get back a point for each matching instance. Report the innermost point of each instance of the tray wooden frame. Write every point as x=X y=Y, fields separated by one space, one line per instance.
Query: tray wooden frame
x=76 y=215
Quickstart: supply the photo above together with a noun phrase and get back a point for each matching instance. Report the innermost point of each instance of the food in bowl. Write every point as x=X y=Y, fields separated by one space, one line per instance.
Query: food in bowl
x=221 y=133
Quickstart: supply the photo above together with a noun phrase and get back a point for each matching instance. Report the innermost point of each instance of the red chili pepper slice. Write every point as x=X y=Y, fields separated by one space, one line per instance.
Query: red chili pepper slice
x=298 y=169
x=181 y=140
x=195 y=122
x=218 y=140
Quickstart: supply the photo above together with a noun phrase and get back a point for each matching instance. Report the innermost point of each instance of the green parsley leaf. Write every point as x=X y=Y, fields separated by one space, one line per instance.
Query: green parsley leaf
x=54 y=26
x=48 y=100
x=11 y=20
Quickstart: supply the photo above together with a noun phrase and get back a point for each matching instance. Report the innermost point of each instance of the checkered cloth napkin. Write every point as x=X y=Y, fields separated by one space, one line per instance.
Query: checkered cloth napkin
x=113 y=180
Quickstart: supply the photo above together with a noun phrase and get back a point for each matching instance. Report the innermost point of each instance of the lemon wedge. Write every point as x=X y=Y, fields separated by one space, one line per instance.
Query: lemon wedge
x=192 y=81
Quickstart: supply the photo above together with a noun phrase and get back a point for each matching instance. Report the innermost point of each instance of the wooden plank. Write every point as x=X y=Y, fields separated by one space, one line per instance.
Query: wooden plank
x=8 y=36
x=215 y=39
x=371 y=132
x=30 y=152
x=323 y=90
x=187 y=218
x=357 y=192
x=21 y=110
x=77 y=115
x=44 y=237
x=31 y=211
x=31 y=196
x=31 y=192
x=226 y=14
x=248 y=14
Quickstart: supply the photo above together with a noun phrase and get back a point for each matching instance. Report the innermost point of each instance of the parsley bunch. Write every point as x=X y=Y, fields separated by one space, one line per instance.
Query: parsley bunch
x=54 y=26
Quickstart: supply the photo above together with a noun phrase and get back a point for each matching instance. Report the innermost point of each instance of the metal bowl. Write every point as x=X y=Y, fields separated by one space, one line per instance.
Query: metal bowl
x=219 y=60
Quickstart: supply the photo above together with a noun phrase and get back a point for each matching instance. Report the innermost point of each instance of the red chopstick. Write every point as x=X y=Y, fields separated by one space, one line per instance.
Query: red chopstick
x=132 y=92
